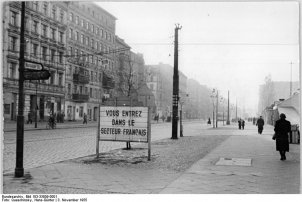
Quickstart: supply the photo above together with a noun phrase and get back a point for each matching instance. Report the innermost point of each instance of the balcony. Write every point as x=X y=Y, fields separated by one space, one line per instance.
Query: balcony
x=80 y=78
x=80 y=97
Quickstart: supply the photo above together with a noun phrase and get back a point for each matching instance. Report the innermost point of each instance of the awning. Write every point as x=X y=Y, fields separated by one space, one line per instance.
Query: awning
x=291 y=114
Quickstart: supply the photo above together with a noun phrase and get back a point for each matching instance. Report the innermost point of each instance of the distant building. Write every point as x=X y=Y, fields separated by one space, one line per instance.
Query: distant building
x=275 y=91
x=160 y=82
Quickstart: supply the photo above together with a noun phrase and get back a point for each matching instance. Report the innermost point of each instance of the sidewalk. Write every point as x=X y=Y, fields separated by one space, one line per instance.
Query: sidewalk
x=248 y=162
x=227 y=170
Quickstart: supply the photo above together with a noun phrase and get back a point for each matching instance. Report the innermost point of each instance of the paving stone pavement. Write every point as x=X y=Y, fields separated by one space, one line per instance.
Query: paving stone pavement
x=266 y=175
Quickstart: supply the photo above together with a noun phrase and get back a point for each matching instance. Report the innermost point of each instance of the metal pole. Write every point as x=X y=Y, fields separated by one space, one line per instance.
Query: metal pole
x=180 y=119
x=228 y=118
x=36 y=108
x=19 y=170
x=149 y=133
x=217 y=109
x=175 y=86
x=291 y=85
x=213 y=114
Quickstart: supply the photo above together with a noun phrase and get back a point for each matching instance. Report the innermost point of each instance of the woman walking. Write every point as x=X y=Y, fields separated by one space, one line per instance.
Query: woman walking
x=282 y=128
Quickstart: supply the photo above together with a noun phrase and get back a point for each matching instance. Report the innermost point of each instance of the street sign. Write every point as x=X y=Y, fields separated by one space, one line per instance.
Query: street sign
x=36 y=74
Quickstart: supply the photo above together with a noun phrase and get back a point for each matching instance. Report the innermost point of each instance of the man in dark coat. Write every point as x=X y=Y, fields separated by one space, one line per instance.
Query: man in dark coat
x=242 y=124
x=282 y=128
x=239 y=124
x=260 y=124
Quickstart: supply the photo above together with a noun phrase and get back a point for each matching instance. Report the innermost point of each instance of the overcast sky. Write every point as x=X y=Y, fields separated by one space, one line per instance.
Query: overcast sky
x=229 y=46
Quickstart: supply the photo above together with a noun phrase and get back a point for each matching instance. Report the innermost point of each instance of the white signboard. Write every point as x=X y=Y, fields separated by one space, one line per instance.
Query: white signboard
x=123 y=124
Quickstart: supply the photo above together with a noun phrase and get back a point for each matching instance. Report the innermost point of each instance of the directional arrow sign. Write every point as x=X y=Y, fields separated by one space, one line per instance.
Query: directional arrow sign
x=36 y=74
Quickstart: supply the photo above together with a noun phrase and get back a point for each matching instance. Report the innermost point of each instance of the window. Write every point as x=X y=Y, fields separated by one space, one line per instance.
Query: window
x=97 y=46
x=52 y=77
x=70 y=33
x=53 y=13
x=86 y=90
x=81 y=89
x=45 y=8
x=62 y=16
x=91 y=59
x=87 y=25
x=92 y=28
x=35 y=50
x=81 y=111
x=61 y=36
x=76 y=52
x=90 y=92
x=70 y=51
x=71 y=17
x=12 y=70
x=102 y=33
x=82 y=22
x=77 y=20
x=12 y=43
x=53 y=34
x=91 y=76
x=92 y=43
x=60 y=57
x=44 y=53
x=87 y=41
x=26 y=48
x=76 y=36
x=69 y=89
x=82 y=39
x=26 y=21
x=35 y=27
x=52 y=55
x=60 y=79
x=44 y=30
x=13 y=18
x=97 y=31
x=75 y=89
x=35 y=5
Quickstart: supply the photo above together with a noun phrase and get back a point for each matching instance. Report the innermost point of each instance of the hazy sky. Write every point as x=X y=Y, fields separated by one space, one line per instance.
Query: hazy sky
x=229 y=46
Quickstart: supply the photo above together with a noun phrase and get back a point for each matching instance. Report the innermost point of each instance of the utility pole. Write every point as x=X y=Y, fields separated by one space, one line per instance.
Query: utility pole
x=291 y=85
x=217 y=110
x=236 y=109
x=175 y=85
x=228 y=118
x=19 y=170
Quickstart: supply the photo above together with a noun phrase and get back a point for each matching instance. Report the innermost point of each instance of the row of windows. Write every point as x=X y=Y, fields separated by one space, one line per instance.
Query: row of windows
x=88 y=58
x=45 y=53
x=93 y=92
x=47 y=10
x=91 y=27
x=85 y=40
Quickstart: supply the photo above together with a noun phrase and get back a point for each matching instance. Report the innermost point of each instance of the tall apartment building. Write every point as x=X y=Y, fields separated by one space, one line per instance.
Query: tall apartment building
x=45 y=26
x=90 y=71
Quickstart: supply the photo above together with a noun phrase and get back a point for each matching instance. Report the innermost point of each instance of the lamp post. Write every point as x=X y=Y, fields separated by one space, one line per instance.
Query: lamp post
x=36 y=108
x=228 y=118
x=213 y=96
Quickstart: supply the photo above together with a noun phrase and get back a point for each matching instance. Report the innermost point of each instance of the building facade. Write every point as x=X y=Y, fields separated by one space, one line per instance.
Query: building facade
x=90 y=59
x=45 y=42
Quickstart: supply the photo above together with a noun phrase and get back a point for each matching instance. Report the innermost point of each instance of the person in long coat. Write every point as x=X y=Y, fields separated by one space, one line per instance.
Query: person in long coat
x=282 y=128
x=239 y=124
x=260 y=124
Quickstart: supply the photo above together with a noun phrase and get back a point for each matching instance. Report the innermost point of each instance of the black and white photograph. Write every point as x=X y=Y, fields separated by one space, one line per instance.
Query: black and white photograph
x=157 y=97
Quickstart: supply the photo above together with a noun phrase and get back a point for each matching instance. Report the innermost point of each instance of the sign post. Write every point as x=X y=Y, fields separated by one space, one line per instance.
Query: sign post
x=124 y=124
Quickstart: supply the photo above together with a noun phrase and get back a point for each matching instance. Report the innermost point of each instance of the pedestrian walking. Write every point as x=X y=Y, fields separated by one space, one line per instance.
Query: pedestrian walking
x=282 y=128
x=209 y=121
x=85 y=119
x=242 y=124
x=239 y=124
x=260 y=124
x=29 y=121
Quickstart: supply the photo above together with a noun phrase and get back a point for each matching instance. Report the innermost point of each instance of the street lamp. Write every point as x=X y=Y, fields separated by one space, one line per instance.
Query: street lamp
x=213 y=96
x=36 y=108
